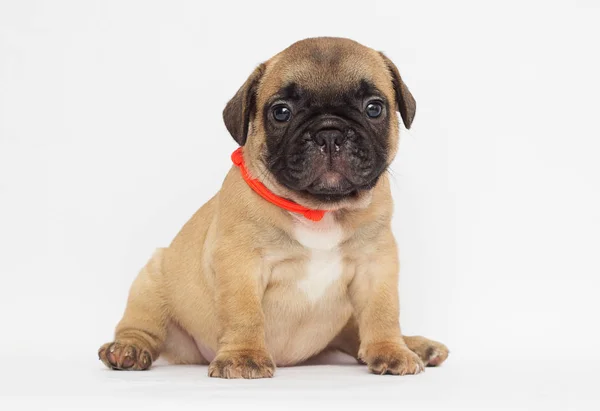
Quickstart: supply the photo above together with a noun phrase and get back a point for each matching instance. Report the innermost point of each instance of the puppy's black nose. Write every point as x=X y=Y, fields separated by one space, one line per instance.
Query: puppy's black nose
x=330 y=139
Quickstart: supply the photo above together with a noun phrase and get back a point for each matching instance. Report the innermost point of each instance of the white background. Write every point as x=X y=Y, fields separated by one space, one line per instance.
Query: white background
x=111 y=137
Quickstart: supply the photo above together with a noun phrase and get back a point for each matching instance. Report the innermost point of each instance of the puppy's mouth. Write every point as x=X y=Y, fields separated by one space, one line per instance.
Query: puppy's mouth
x=330 y=182
x=334 y=197
x=333 y=186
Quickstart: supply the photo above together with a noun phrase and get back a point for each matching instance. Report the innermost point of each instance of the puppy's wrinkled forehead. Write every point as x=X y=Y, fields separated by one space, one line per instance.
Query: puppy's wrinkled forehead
x=326 y=67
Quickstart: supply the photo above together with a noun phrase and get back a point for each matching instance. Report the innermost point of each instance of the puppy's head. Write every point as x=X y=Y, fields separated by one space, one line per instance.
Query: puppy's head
x=319 y=121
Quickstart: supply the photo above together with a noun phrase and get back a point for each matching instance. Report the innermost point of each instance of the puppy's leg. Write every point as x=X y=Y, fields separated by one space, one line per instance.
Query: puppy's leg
x=142 y=331
x=374 y=296
x=432 y=353
x=241 y=349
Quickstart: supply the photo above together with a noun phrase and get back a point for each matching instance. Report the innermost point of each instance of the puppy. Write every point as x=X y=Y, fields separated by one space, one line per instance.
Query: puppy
x=295 y=254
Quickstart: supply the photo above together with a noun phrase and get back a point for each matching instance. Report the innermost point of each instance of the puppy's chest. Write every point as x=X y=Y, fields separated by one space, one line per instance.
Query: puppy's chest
x=317 y=268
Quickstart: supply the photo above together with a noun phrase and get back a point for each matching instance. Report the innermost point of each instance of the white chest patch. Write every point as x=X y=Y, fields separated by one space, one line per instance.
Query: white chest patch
x=324 y=266
x=318 y=235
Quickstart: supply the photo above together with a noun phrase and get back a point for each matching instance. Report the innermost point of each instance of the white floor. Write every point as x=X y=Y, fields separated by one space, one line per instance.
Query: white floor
x=495 y=383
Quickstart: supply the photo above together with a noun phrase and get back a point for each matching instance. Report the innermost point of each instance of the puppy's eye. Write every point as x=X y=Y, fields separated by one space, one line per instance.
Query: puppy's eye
x=282 y=113
x=374 y=109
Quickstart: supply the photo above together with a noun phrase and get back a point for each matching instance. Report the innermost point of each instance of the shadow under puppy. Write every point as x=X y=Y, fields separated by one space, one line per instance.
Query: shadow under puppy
x=248 y=284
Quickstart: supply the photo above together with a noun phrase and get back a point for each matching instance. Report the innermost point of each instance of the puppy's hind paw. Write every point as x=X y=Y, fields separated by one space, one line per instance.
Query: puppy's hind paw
x=122 y=356
x=432 y=353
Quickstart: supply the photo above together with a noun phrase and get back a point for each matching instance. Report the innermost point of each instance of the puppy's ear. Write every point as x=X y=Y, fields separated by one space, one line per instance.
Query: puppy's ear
x=407 y=106
x=241 y=107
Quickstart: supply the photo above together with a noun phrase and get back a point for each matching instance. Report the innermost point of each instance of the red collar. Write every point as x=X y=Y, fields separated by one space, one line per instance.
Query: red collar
x=264 y=192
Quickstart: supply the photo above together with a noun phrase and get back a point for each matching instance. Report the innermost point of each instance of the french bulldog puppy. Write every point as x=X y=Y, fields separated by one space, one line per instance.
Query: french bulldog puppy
x=295 y=254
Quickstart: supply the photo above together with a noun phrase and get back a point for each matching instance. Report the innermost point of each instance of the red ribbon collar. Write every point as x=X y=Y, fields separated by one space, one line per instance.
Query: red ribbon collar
x=260 y=189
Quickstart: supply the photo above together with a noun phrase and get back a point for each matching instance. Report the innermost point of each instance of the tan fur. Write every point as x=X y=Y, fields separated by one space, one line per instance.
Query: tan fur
x=228 y=285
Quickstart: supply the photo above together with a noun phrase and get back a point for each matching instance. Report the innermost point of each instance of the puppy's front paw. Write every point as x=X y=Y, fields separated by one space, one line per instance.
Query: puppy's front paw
x=391 y=358
x=122 y=356
x=242 y=364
